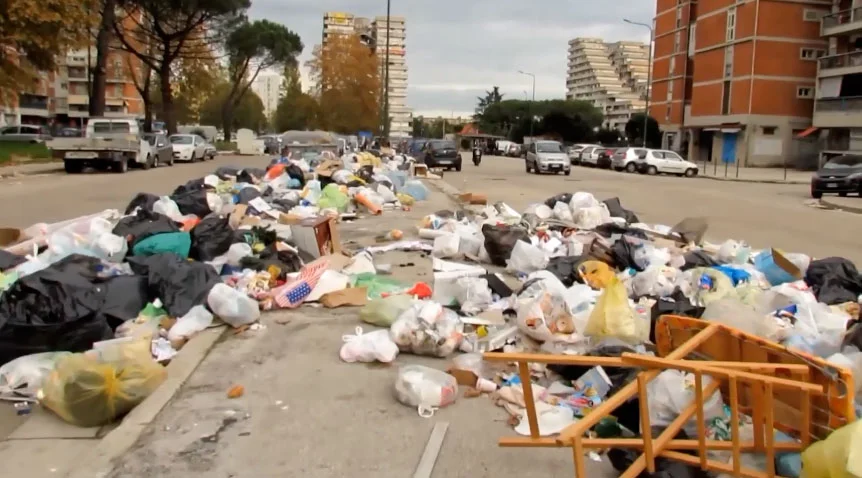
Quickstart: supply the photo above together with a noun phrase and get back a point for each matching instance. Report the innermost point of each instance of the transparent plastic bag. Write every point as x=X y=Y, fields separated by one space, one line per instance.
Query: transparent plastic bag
x=23 y=376
x=547 y=318
x=613 y=317
x=526 y=258
x=446 y=246
x=233 y=306
x=563 y=212
x=582 y=200
x=370 y=347
x=167 y=207
x=671 y=392
x=473 y=294
x=236 y=252
x=383 y=312
x=425 y=388
x=428 y=329
x=89 y=393
x=196 y=320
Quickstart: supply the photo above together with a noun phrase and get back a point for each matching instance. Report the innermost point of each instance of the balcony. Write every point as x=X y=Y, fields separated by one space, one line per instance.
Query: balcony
x=840 y=64
x=840 y=112
x=841 y=23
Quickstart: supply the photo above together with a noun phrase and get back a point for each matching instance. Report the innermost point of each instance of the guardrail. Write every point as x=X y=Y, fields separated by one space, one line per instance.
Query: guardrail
x=845 y=103
x=841 y=60
x=840 y=18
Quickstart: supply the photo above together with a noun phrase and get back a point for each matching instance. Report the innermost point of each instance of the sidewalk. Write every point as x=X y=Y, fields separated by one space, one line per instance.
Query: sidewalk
x=851 y=204
x=29 y=169
x=753 y=175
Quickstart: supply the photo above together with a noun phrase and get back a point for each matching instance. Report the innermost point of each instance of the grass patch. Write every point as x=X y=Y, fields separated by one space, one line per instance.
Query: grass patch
x=12 y=152
x=225 y=145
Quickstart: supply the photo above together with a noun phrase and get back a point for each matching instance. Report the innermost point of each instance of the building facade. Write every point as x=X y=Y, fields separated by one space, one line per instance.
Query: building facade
x=270 y=88
x=374 y=33
x=732 y=84
x=612 y=76
x=837 y=122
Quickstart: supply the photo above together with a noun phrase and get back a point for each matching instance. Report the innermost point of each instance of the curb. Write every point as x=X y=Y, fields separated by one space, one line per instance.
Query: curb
x=100 y=461
x=12 y=172
x=450 y=191
x=754 y=181
x=850 y=209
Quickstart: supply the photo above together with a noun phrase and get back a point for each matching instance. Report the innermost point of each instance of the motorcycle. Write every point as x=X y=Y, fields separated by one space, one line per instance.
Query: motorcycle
x=477 y=156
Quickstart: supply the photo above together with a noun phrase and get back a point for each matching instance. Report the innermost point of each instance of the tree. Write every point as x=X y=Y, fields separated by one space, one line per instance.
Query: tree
x=164 y=31
x=491 y=97
x=103 y=45
x=248 y=112
x=296 y=110
x=34 y=33
x=252 y=47
x=347 y=85
x=608 y=136
x=569 y=120
x=196 y=81
x=635 y=131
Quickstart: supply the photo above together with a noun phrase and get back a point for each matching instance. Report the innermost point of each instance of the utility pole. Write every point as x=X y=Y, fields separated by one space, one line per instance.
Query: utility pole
x=386 y=73
x=530 y=104
x=649 y=75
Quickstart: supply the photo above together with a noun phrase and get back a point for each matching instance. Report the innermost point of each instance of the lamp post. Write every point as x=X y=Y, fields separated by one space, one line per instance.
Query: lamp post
x=530 y=104
x=386 y=74
x=649 y=74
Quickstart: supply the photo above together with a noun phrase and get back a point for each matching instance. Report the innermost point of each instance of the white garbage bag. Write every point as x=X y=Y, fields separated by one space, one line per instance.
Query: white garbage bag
x=370 y=347
x=425 y=388
x=233 y=306
x=527 y=258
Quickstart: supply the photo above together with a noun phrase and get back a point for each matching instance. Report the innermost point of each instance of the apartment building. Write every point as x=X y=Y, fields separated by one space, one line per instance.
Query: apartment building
x=837 y=117
x=269 y=87
x=374 y=34
x=612 y=76
x=731 y=83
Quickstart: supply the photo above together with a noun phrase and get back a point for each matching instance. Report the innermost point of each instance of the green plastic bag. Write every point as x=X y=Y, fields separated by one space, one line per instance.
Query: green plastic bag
x=384 y=311
x=376 y=285
x=177 y=242
x=333 y=198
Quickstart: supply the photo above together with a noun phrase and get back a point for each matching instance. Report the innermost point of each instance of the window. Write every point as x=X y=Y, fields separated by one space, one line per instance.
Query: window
x=9 y=130
x=812 y=15
x=672 y=156
x=811 y=53
x=725 y=98
x=768 y=130
x=731 y=24
x=691 y=37
x=805 y=92
x=678 y=16
x=657 y=154
x=672 y=64
x=728 y=61
x=676 y=40
x=669 y=91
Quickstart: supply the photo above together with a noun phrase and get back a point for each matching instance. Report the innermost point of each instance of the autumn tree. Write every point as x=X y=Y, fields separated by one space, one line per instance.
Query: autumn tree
x=296 y=109
x=248 y=112
x=196 y=79
x=34 y=33
x=347 y=85
x=165 y=31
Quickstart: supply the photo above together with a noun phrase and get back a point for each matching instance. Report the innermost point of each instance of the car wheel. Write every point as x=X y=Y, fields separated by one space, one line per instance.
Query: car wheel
x=171 y=160
x=652 y=171
x=72 y=167
x=630 y=168
x=458 y=167
x=690 y=172
x=843 y=195
x=121 y=166
x=193 y=159
x=148 y=163
x=816 y=194
x=527 y=166
x=568 y=172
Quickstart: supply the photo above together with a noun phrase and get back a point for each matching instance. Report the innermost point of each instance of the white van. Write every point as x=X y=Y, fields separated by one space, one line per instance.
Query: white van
x=114 y=143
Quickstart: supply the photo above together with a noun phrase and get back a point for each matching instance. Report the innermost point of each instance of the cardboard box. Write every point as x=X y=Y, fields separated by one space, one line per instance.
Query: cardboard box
x=317 y=236
x=473 y=198
x=9 y=236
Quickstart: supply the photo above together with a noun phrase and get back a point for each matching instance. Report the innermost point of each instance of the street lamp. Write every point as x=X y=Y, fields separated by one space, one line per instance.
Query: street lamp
x=530 y=104
x=649 y=73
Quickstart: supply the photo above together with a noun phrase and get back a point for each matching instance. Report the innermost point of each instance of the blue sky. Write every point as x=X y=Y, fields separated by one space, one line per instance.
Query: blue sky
x=457 y=49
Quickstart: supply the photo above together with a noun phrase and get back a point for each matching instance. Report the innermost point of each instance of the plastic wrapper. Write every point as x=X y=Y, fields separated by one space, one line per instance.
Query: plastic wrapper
x=547 y=318
x=87 y=392
x=592 y=217
x=425 y=388
x=333 y=198
x=415 y=189
x=446 y=246
x=373 y=346
x=730 y=311
x=232 y=306
x=377 y=286
x=526 y=258
x=614 y=317
x=654 y=282
x=648 y=256
x=473 y=294
x=428 y=329
x=383 y=312
x=563 y=212
x=23 y=376
x=540 y=210
x=671 y=392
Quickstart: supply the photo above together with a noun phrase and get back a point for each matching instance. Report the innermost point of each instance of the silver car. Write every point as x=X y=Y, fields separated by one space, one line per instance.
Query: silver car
x=24 y=133
x=547 y=157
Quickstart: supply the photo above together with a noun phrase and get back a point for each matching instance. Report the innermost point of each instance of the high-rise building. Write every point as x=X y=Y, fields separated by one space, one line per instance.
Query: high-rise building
x=609 y=75
x=838 y=96
x=269 y=87
x=400 y=113
x=730 y=83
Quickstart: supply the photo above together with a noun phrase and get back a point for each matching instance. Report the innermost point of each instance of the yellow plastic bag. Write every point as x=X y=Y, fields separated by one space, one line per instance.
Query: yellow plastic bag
x=87 y=392
x=612 y=316
x=596 y=274
x=838 y=456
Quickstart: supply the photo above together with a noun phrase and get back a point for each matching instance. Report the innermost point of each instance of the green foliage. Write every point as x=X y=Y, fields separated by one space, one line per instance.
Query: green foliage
x=570 y=121
x=491 y=97
x=296 y=110
x=247 y=114
x=23 y=151
x=608 y=137
x=435 y=128
x=635 y=131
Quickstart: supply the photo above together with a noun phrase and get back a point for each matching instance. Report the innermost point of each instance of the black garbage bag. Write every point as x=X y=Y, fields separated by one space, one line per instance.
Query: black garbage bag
x=178 y=283
x=295 y=172
x=610 y=229
x=248 y=194
x=286 y=261
x=500 y=240
x=623 y=255
x=126 y=296
x=563 y=198
x=192 y=202
x=143 y=201
x=853 y=336
x=284 y=204
x=366 y=173
x=834 y=280
x=622 y=459
x=9 y=260
x=616 y=209
x=566 y=268
x=211 y=238
x=698 y=258
x=191 y=185
x=144 y=224
x=676 y=304
x=250 y=175
x=226 y=172
x=56 y=309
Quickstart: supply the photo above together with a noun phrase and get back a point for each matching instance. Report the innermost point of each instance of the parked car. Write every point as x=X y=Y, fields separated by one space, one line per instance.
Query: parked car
x=163 y=152
x=574 y=152
x=603 y=157
x=440 y=153
x=668 y=162
x=25 y=134
x=70 y=133
x=626 y=158
x=547 y=157
x=514 y=150
x=210 y=151
x=188 y=147
x=839 y=175
x=589 y=156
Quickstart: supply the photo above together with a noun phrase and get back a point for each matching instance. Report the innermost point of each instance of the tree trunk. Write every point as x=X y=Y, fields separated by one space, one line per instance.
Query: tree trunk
x=227 y=120
x=167 y=99
x=100 y=74
x=148 y=102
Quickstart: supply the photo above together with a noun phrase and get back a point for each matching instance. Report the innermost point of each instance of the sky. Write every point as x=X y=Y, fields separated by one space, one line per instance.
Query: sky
x=458 y=49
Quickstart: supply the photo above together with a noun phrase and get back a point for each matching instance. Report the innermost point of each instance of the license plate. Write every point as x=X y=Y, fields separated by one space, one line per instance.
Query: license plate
x=445 y=161
x=831 y=185
x=73 y=155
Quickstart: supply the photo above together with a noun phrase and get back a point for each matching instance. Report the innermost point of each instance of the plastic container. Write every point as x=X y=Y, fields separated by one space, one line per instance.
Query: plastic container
x=774 y=274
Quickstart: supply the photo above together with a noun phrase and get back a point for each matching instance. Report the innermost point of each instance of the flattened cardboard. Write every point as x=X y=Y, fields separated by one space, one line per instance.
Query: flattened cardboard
x=784 y=263
x=237 y=216
x=353 y=296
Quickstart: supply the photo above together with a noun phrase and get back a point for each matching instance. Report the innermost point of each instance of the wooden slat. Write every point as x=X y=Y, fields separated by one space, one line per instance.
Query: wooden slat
x=734 y=425
x=637 y=444
x=715 y=465
x=701 y=419
x=646 y=427
x=769 y=418
x=527 y=387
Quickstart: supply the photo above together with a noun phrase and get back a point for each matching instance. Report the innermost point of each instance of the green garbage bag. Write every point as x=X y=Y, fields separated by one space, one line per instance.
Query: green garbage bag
x=377 y=285
x=332 y=198
x=384 y=311
x=177 y=242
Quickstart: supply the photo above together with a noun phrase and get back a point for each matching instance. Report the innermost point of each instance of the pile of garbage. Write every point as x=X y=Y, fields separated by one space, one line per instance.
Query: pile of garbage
x=91 y=309
x=593 y=281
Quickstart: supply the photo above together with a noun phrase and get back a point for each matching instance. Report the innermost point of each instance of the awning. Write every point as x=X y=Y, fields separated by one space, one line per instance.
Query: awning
x=807 y=132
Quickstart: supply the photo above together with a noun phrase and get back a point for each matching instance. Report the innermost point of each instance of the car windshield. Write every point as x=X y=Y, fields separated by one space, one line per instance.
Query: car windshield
x=151 y=138
x=181 y=140
x=843 y=162
x=549 y=148
x=439 y=145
